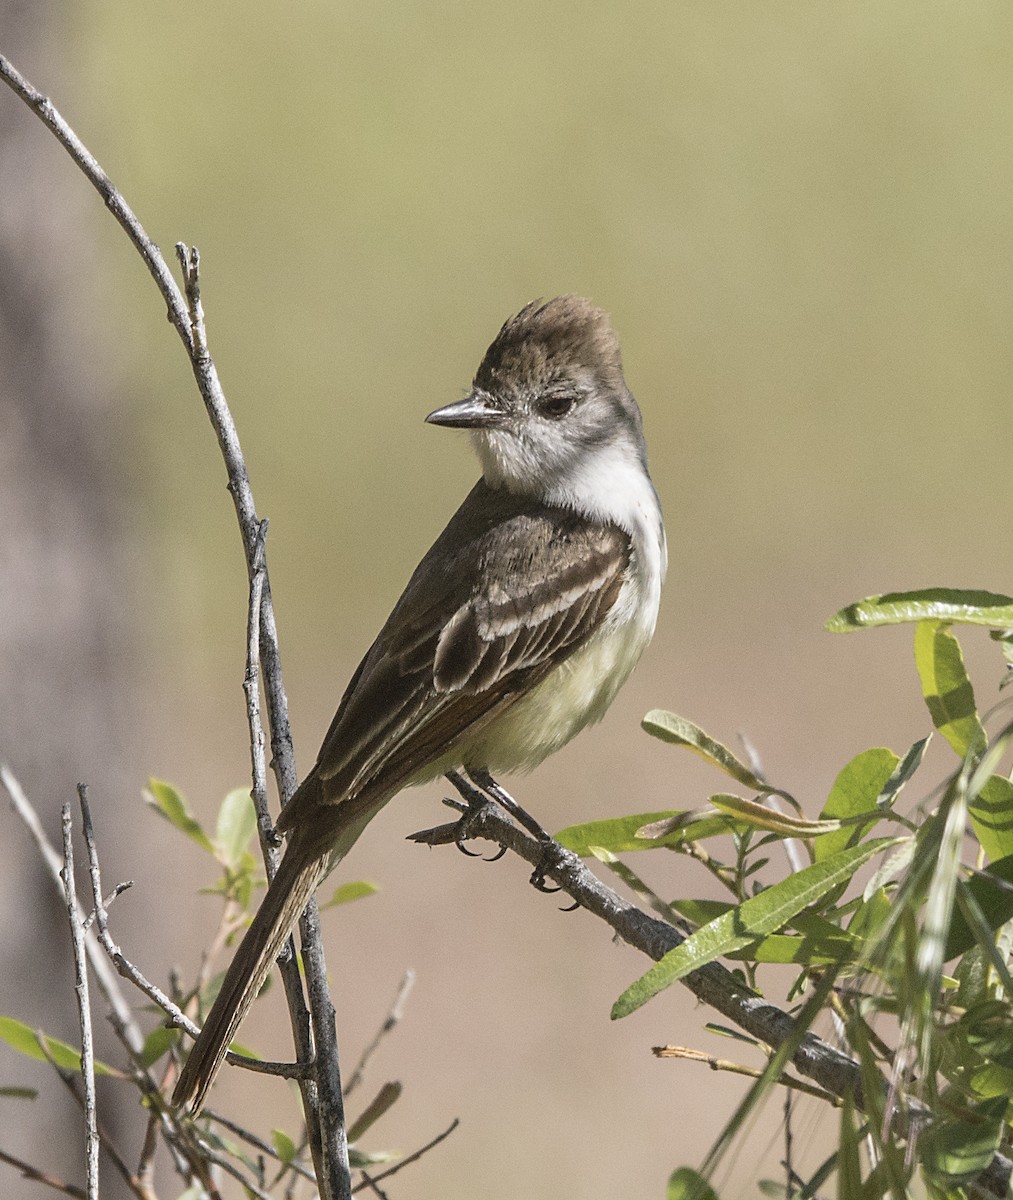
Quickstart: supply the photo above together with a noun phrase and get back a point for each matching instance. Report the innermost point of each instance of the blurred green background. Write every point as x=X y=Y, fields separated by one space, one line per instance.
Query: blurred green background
x=799 y=218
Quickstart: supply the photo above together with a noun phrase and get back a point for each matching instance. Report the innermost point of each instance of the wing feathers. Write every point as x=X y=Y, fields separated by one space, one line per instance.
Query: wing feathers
x=508 y=591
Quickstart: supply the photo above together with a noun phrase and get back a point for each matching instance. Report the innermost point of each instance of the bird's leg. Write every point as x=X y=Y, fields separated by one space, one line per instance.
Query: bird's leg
x=475 y=800
x=483 y=780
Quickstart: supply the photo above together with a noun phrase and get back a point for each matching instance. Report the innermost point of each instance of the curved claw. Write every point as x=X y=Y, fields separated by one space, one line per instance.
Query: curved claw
x=538 y=882
x=465 y=851
x=498 y=855
x=570 y=907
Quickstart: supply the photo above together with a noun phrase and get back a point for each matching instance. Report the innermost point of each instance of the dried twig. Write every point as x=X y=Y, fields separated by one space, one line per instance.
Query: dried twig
x=412 y=1158
x=37 y=1176
x=734 y=1068
x=390 y=1022
x=91 y=1144
x=186 y=315
x=258 y=1143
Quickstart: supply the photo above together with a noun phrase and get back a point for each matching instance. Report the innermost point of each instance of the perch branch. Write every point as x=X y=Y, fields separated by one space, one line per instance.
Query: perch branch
x=712 y=984
x=187 y=317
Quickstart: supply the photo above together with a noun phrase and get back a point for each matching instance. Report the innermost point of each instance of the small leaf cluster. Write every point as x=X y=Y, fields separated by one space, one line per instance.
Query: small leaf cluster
x=899 y=922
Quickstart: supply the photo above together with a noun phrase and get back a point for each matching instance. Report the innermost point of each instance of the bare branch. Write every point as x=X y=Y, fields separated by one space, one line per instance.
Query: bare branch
x=123 y=1018
x=37 y=1176
x=734 y=1068
x=258 y=1143
x=412 y=1158
x=83 y=1004
x=390 y=1022
x=187 y=317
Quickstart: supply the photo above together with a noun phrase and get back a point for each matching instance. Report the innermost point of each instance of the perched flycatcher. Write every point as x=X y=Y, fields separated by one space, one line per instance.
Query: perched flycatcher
x=516 y=630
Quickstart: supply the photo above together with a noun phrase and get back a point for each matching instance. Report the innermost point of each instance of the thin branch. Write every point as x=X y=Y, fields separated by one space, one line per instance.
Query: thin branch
x=123 y=1018
x=390 y=1022
x=37 y=1176
x=712 y=984
x=734 y=1068
x=412 y=1158
x=69 y=1081
x=188 y=319
x=332 y=1128
x=258 y=1143
x=91 y=1143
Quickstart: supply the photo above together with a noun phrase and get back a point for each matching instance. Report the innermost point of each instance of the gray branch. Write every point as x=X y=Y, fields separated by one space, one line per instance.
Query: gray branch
x=186 y=315
x=91 y=1143
x=712 y=984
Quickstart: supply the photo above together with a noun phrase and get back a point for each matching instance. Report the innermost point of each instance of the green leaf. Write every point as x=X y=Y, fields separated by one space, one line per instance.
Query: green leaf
x=385 y=1098
x=348 y=892
x=234 y=830
x=160 y=1040
x=284 y=1146
x=849 y=1162
x=991 y=813
x=19 y=1093
x=818 y=941
x=623 y=834
x=946 y=687
x=669 y=727
x=994 y=900
x=700 y=912
x=856 y=789
x=172 y=805
x=755 y=918
x=23 y=1039
x=686 y=1184
x=927 y=604
x=804 y=950
x=903 y=772
x=953 y=1152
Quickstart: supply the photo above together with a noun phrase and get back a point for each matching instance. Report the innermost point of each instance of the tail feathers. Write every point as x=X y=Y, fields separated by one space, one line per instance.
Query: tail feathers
x=287 y=896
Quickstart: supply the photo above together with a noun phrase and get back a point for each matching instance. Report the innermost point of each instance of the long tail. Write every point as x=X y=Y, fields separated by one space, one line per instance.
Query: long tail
x=287 y=896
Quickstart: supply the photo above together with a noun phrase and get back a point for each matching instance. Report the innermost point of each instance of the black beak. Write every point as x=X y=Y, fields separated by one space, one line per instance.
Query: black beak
x=477 y=411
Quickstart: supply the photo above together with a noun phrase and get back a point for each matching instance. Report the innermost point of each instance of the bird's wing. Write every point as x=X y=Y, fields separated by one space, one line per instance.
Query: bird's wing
x=506 y=594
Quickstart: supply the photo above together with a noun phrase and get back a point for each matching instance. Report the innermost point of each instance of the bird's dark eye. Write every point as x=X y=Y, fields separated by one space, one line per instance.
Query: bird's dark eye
x=556 y=405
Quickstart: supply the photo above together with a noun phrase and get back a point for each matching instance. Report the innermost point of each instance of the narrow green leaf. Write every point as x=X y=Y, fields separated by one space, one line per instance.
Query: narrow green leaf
x=385 y=1098
x=23 y=1039
x=854 y=793
x=903 y=772
x=954 y=1152
x=849 y=1162
x=623 y=834
x=686 y=1184
x=993 y=898
x=157 y=1043
x=19 y=1093
x=284 y=1146
x=236 y=825
x=700 y=912
x=928 y=604
x=669 y=727
x=946 y=687
x=804 y=950
x=991 y=813
x=348 y=892
x=764 y=817
x=171 y=804
x=747 y=922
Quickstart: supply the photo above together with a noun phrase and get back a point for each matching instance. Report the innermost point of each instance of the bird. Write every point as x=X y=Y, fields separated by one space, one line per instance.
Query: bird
x=515 y=631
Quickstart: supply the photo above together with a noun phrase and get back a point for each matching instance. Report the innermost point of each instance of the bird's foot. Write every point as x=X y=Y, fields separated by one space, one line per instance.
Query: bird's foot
x=476 y=802
x=485 y=784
